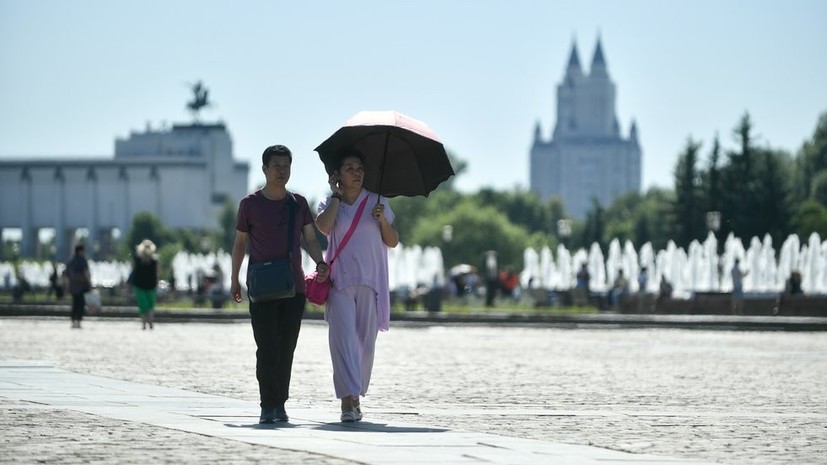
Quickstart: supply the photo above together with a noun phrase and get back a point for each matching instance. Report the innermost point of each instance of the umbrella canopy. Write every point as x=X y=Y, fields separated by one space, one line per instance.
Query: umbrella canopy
x=403 y=156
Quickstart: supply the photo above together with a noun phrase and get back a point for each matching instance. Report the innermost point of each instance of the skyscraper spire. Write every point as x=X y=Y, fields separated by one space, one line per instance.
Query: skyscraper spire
x=598 y=68
x=633 y=133
x=574 y=68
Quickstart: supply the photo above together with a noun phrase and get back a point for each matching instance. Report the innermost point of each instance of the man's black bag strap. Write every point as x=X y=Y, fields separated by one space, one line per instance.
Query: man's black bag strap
x=292 y=206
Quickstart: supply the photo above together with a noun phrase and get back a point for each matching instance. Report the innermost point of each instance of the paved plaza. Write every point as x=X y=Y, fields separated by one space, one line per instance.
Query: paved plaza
x=186 y=392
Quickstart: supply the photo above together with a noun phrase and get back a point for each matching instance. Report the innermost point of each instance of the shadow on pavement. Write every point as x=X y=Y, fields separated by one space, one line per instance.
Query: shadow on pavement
x=280 y=425
x=363 y=426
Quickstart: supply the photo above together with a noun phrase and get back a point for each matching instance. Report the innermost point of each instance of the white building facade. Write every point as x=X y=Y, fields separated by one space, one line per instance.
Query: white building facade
x=587 y=157
x=183 y=175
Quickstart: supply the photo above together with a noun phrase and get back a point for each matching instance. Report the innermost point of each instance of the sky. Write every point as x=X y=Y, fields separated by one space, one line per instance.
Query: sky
x=74 y=76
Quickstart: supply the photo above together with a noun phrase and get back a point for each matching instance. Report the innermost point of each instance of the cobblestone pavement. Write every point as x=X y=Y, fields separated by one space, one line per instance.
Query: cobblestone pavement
x=72 y=438
x=730 y=397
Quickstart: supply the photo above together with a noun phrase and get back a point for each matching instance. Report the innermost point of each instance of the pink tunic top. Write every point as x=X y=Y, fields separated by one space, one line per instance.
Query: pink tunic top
x=364 y=259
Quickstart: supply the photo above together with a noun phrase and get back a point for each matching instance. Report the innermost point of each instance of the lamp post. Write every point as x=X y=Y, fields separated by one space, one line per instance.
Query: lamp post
x=713 y=221
x=564 y=230
x=447 y=237
x=447 y=233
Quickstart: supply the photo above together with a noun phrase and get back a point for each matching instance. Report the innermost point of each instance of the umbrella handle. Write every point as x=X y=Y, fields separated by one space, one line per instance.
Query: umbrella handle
x=382 y=165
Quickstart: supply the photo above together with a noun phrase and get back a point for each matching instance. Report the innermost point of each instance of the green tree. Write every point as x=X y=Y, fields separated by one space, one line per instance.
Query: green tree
x=773 y=195
x=557 y=209
x=459 y=165
x=621 y=218
x=641 y=218
x=594 y=228
x=810 y=217
x=145 y=225
x=740 y=183
x=522 y=208
x=656 y=212
x=711 y=178
x=812 y=159
x=409 y=211
x=166 y=255
x=227 y=224
x=193 y=241
x=688 y=206
x=475 y=230
x=818 y=189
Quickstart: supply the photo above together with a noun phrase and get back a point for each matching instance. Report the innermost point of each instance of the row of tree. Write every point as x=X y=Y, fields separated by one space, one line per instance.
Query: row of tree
x=756 y=189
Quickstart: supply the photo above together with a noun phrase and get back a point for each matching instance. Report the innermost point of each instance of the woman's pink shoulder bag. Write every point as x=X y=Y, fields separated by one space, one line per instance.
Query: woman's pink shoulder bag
x=316 y=291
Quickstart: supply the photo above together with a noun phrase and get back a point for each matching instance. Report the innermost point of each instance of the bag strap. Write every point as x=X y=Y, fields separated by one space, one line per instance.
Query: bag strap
x=350 y=231
x=291 y=224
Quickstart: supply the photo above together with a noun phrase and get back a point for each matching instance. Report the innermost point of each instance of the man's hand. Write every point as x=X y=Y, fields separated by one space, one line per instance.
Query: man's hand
x=322 y=272
x=235 y=291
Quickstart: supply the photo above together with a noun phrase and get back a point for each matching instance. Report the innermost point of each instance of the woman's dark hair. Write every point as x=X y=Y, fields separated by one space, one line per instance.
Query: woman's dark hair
x=275 y=151
x=345 y=153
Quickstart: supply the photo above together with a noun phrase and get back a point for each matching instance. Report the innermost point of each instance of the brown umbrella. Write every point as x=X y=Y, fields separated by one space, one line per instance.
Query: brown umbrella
x=403 y=156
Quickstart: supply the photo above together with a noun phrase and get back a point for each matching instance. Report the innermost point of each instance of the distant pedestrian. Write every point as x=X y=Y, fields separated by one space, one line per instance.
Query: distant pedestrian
x=581 y=290
x=792 y=287
x=737 y=288
x=642 y=280
x=509 y=282
x=664 y=292
x=55 y=284
x=145 y=271
x=80 y=282
x=492 y=277
x=583 y=278
x=642 y=283
x=619 y=289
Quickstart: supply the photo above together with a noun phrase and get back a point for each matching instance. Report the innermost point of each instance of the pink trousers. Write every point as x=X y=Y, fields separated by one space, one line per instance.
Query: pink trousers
x=352 y=329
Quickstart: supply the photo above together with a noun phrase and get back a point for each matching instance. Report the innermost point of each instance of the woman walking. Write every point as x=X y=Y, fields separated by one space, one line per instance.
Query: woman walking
x=358 y=306
x=145 y=269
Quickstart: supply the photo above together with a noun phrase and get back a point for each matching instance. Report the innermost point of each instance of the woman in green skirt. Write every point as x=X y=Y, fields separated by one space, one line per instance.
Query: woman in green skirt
x=144 y=279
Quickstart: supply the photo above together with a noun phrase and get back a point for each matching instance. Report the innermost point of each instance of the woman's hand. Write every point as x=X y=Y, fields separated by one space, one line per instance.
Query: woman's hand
x=322 y=272
x=335 y=185
x=378 y=213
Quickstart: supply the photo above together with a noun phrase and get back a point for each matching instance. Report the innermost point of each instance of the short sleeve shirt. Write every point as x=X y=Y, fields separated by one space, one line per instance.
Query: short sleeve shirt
x=364 y=260
x=266 y=221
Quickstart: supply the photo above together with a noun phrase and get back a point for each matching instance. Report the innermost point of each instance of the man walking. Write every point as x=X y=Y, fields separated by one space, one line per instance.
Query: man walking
x=263 y=222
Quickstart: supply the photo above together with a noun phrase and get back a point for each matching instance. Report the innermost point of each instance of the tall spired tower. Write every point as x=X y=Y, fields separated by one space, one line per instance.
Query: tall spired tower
x=587 y=157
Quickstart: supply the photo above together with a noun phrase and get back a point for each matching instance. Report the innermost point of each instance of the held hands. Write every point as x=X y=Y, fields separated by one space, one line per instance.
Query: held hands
x=322 y=272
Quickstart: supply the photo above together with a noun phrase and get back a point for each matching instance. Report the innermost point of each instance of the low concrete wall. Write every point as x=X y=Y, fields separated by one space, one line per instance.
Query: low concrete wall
x=709 y=303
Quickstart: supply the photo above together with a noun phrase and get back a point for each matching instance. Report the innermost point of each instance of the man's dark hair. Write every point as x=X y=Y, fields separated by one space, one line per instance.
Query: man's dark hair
x=275 y=151
x=80 y=248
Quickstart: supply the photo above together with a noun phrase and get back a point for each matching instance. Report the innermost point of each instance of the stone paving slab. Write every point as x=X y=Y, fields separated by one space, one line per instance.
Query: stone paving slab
x=36 y=389
x=715 y=394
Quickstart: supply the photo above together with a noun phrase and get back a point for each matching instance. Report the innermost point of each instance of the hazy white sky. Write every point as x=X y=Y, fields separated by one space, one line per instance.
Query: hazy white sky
x=76 y=75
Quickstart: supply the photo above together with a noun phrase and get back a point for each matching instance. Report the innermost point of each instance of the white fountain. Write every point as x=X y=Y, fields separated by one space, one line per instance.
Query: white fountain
x=698 y=269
